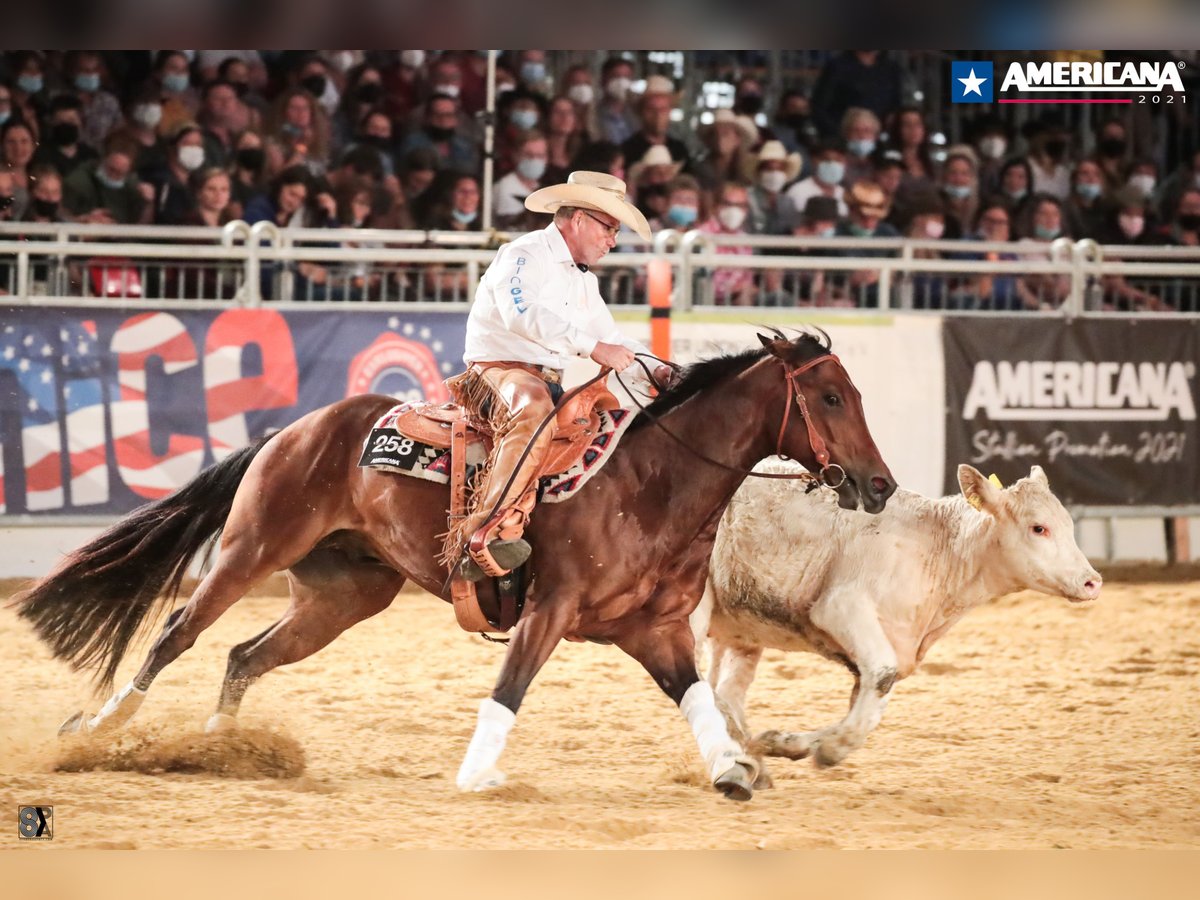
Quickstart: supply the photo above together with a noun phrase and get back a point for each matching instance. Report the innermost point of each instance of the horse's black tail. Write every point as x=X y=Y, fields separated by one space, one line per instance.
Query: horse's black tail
x=92 y=605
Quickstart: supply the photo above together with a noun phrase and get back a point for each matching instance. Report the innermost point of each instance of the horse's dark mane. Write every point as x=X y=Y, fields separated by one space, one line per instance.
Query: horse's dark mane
x=702 y=375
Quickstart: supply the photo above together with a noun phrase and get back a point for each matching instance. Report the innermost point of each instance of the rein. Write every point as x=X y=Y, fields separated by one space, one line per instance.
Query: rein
x=794 y=395
x=820 y=450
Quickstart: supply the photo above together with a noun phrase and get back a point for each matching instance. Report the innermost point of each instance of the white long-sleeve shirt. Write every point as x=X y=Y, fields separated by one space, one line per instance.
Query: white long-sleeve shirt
x=534 y=305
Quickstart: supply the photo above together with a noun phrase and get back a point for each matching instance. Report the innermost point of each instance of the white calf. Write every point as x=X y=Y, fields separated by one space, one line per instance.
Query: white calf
x=792 y=571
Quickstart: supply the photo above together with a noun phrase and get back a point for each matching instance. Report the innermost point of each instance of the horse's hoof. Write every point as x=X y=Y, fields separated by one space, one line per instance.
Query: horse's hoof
x=486 y=780
x=736 y=783
x=77 y=724
x=219 y=723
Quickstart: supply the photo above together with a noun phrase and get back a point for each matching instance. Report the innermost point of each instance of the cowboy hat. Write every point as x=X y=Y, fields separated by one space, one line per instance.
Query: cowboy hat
x=591 y=190
x=774 y=151
x=745 y=126
x=868 y=197
x=655 y=155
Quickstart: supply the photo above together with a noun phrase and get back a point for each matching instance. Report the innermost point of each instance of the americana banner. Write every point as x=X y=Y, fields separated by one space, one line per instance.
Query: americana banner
x=102 y=410
x=1106 y=407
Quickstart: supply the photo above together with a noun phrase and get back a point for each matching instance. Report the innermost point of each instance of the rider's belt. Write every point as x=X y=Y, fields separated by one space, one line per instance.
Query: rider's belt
x=547 y=374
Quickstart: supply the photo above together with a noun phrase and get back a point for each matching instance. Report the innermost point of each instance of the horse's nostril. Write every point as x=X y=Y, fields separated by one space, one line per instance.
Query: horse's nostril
x=879 y=484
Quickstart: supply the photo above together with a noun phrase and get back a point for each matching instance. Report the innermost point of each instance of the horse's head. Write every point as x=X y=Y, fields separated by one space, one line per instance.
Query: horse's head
x=823 y=425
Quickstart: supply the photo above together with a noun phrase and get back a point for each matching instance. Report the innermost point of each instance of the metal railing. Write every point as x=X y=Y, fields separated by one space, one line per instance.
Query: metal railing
x=250 y=265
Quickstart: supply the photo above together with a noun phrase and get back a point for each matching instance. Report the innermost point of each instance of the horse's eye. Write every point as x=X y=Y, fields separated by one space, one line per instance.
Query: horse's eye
x=833 y=400
x=1040 y=530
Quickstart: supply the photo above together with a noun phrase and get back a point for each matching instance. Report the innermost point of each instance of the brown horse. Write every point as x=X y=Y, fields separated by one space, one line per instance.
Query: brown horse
x=624 y=562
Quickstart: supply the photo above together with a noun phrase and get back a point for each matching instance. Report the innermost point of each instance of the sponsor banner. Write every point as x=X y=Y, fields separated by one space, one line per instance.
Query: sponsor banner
x=101 y=410
x=1107 y=408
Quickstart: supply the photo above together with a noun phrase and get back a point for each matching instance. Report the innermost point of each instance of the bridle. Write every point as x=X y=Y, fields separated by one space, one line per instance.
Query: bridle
x=815 y=440
x=831 y=475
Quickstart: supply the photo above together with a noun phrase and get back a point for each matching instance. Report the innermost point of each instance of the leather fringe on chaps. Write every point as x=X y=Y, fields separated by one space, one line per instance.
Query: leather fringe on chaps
x=470 y=391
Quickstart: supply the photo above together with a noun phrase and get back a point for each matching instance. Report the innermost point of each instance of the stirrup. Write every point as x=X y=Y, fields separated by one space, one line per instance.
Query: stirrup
x=498 y=557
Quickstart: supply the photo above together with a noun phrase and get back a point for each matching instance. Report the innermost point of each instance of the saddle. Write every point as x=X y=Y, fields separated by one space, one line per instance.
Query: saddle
x=450 y=426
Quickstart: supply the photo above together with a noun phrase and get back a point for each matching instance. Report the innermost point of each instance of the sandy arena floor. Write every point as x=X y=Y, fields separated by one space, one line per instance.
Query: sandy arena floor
x=1033 y=724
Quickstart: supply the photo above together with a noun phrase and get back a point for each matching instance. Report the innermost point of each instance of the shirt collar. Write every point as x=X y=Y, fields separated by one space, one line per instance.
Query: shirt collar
x=558 y=244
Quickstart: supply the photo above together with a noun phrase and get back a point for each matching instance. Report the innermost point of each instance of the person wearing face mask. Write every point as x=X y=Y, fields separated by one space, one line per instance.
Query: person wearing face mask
x=578 y=88
x=731 y=287
x=106 y=189
x=860 y=131
x=173 y=81
x=61 y=146
x=250 y=170
x=313 y=75
x=748 y=96
x=100 y=113
x=793 y=124
x=869 y=209
x=30 y=94
x=518 y=112
x=1127 y=223
x=615 y=119
x=364 y=94
x=531 y=70
x=991 y=141
x=927 y=222
x=457 y=205
x=1050 y=156
x=828 y=176
x=45 y=197
x=174 y=199
x=682 y=205
x=440 y=135
x=1113 y=152
x=1045 y=222
x=509 y=193
x=771 y=210
x=1184 y=228
x=1087 y=208
x=959 y=185
x=1142 y=179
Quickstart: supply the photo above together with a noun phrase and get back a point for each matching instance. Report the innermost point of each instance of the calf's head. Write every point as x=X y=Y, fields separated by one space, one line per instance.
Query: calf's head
x=1035 y=533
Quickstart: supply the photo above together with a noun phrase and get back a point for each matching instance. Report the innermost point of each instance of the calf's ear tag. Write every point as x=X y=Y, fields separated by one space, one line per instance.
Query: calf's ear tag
x=976 y=502
x=996 y=481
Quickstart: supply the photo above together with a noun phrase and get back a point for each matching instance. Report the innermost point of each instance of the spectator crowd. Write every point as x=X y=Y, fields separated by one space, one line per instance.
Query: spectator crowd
x=394 y=140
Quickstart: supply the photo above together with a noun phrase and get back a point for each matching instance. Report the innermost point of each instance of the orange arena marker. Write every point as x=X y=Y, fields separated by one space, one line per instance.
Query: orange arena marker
x=659 y=287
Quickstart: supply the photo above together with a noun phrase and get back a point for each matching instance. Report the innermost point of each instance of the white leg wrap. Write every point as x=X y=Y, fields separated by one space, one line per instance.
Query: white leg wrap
x=118 y=710
x=478 y=771
x=719 y=750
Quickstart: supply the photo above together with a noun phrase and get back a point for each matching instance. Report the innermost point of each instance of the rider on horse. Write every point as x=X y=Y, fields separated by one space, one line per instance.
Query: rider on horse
x=537 y=306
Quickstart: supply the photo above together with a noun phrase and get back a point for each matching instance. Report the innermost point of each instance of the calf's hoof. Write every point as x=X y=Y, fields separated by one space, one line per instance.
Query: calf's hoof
x=786 y=744
x=736 y=783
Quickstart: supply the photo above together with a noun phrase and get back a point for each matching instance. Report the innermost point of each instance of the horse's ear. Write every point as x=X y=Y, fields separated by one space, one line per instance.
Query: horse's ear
x=772 y=344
